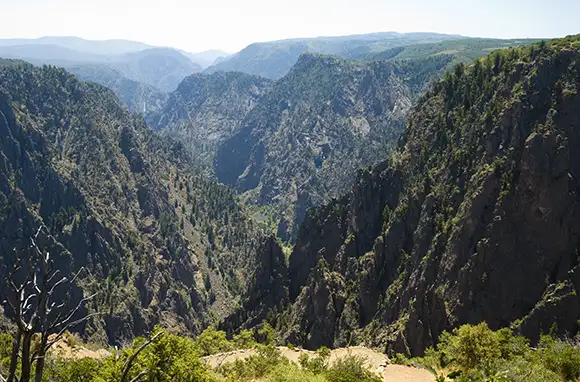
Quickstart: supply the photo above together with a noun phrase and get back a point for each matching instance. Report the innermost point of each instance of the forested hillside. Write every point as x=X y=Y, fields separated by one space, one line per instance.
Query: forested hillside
x=474 y=217
x=162 y=244
x=304 y=140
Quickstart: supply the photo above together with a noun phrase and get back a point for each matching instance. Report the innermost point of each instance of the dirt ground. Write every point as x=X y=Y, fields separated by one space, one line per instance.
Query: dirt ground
x=67 y=351
x=376 y=361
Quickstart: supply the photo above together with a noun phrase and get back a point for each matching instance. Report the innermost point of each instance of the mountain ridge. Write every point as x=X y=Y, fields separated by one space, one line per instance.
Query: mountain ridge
x=273 y=59
x=328 y=113
x=162 y=242
x=473 y=218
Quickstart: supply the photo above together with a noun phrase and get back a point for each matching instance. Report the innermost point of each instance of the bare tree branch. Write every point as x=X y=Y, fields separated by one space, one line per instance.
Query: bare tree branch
x=129 y=362
x=140 y=375
x=32 y=307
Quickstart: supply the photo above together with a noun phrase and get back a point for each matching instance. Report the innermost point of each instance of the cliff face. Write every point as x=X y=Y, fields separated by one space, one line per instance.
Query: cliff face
x=206 y=110
x=303 y=141
x=162 y=243
x=474 y=218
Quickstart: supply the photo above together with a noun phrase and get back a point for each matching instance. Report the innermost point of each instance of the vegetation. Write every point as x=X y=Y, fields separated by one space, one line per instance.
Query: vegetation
x=469 y=353
x=158 y=237
x=460 y=50
x=462 y=239
x=477 y=353
x=167 y=357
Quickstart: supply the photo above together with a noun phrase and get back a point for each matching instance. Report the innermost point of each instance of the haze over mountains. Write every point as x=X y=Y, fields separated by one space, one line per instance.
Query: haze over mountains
x=374 y=189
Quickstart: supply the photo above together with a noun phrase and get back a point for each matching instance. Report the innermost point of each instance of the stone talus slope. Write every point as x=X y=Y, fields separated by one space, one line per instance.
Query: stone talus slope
x=206 y=110
x=475 y=218
x=303 y=141
x=162 y=243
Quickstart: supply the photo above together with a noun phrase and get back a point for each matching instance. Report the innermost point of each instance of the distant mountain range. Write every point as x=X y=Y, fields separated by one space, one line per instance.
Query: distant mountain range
x=208 y=58
x=274 y=59
x=104 y=47
x=162 y=68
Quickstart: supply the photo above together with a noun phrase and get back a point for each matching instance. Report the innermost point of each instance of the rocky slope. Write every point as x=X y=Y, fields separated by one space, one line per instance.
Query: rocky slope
x=475 y=217
x=162 y=243
x=304 y=140
x=205 y=110
x=137 y=96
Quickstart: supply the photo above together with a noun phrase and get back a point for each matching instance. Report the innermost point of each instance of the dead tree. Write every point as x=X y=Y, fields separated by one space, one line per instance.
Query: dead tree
x=39 y=303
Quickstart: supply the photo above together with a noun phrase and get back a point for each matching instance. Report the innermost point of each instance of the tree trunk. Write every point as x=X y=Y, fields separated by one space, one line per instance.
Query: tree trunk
x=39 y=366
x=14 y=357
x=26 y=366
x=40 y=359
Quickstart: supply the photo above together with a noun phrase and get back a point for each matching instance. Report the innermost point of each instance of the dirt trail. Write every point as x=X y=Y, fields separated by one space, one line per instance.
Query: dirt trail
x=376 y=362
x=63 y=349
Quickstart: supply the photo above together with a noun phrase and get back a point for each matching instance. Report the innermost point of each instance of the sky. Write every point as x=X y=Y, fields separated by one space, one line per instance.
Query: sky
x=230 y=25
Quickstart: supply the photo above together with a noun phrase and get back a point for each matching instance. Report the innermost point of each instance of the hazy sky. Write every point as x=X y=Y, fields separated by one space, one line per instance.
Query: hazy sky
x=232 y=24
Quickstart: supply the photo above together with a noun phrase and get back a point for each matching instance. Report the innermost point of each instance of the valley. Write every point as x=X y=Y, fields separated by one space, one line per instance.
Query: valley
x=397 y=206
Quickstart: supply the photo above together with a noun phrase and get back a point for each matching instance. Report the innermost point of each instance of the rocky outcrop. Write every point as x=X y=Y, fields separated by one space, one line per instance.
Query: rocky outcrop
x=474 y=218
x=206 y=110
x=267 y=288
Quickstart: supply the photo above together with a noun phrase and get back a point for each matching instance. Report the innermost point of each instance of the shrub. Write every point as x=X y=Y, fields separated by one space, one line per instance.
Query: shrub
x=292 y=373
x=471 y=347
x=244 y=340
x=168 y=358
x=267 y=334
x=520 y=369
x=351 y=369
x=317 y=364
x=80 y=370
x=254 y=367
x=560 y=357
x=212 y=341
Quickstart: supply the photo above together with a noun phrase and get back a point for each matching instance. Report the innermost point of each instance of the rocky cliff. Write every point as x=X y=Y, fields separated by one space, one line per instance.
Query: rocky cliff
x=474 y=218
x=162 y=243
x=304 y=140
x=206 y=110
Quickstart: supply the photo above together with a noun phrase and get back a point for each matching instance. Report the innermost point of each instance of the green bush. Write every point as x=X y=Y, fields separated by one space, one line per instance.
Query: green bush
x=520 y=369
x=244 y=340
x=560 y=357
x=255 y=366
x=267 y=334
x=212 y=341
x=168 y=358
x=477 y=353
x=351 y=369
x=317 y=364
x=471 y=347
x=81 y=370
x=292 y=373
